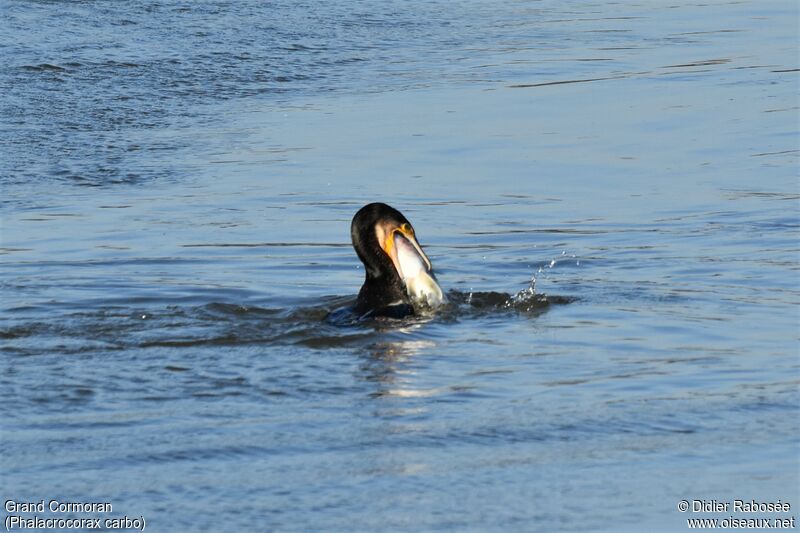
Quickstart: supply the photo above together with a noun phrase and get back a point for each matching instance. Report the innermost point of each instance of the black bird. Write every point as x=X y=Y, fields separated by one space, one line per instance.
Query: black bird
x=399 y=277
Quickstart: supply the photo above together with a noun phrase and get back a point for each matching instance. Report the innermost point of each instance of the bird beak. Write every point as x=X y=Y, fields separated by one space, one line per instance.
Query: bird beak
x=399 y=250
x=402 y=247
x=413 y=265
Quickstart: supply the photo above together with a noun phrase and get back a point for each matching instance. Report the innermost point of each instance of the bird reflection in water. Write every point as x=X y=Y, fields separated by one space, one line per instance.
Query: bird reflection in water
x=388 y=365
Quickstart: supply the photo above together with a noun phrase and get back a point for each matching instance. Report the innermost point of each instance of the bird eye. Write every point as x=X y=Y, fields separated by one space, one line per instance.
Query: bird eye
x=406 y=227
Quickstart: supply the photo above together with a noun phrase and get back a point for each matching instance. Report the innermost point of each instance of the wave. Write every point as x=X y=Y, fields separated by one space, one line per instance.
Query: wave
x=325 y=323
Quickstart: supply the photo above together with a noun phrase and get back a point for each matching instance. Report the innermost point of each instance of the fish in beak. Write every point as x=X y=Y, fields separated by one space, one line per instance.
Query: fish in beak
x=413 y=266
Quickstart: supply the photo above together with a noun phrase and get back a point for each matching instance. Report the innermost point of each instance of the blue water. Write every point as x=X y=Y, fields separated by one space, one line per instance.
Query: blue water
x=608 y=192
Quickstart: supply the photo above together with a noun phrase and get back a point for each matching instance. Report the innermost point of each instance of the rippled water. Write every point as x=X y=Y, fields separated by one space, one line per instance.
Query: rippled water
x=608 y=192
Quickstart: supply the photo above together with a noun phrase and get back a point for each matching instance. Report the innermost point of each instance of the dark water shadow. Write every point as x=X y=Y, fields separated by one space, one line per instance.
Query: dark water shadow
x=326 y=323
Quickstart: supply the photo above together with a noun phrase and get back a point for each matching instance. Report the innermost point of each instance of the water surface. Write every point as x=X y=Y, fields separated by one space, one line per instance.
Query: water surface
x=609 y=193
